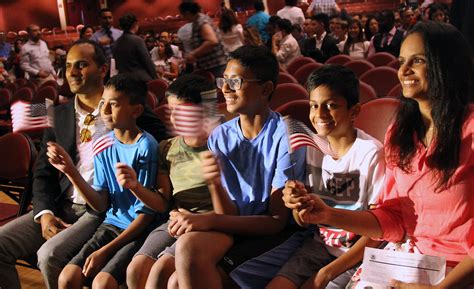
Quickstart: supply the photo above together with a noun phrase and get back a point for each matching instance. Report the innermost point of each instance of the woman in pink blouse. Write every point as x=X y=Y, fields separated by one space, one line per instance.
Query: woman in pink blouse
x=428 y=197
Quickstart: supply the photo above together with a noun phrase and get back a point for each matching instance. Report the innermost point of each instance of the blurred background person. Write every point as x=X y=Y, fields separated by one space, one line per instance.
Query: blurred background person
x=259 y=20
x=166 y=65
x=207 y=51
x=86 y=32
x=252 y=36
x=356 y=46
x=130 y=52
x=437 y=12
x=371 y=27
x=284 y=45
x=231 y=31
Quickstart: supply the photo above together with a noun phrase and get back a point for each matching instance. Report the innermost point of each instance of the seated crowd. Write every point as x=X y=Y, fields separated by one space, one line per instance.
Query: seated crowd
x=120 y=199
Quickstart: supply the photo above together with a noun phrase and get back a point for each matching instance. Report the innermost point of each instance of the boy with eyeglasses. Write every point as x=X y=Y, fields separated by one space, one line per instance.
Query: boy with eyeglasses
x=246 y=168
x=105 y=256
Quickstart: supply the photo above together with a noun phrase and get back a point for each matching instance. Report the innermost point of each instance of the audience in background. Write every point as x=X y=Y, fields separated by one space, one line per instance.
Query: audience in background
x=208 y=52
x=355 y=46
x=259 y=20
x=252 y=36
x=321 y=46
x=231 y=31
x=389 y=38
x=14 y=59
x=284 y=45
x=107 y=34
x=130 y=52
x=407 y=17
x=34 y=57
x=371 y=27
x=438 y=13
x=292 y=13
x=328 y=7
x=86 y=32
x=5 y=49
x=166 y=65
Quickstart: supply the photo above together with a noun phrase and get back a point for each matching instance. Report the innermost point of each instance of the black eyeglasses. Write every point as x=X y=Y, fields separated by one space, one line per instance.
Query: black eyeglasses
x=233 y=83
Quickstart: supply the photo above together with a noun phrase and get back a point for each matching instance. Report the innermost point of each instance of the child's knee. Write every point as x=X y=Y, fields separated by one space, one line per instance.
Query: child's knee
x=138 y=268
x=70 y=275
x=173 y=282
x=104 y=280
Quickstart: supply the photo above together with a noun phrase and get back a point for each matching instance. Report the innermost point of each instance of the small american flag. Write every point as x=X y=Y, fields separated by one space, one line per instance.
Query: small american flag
x=188 y=119
x=28 y=116
x=300 y=135
x=194 y=119
x=102 y=143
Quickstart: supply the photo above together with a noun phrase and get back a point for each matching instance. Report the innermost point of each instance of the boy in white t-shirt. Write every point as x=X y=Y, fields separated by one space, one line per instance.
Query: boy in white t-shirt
x=352 y=181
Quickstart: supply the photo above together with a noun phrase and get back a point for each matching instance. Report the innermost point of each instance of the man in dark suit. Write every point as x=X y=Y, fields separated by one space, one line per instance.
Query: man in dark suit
x=130 y=52
x=389 y=38
x=60 y=222
x=321 y=46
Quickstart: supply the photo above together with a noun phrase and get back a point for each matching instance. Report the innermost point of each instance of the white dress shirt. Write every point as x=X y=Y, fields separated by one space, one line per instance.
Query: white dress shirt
x=34 y=56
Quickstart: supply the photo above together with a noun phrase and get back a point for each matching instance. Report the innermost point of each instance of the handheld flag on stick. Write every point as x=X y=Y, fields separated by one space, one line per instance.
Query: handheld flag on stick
x=30 y=116
x=194 y=119
x=300 y=135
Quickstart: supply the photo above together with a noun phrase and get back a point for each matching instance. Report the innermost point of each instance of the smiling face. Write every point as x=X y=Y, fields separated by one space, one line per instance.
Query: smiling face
x=354 y=31
x=412 y=71
x=116 y=110
x=82 y=72
x=252 y=96
x=329 y=113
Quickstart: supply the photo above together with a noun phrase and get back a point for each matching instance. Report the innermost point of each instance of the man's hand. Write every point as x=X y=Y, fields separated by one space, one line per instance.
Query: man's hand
x=104 y=40
x=183 y=221
x=126 y=176
x=43 y=74
x=51 y=225
x=95 y=262
x=210 y=167
x=59 y=158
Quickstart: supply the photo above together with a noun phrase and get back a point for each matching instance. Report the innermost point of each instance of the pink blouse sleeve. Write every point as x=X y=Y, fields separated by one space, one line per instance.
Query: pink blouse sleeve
x=388 y=210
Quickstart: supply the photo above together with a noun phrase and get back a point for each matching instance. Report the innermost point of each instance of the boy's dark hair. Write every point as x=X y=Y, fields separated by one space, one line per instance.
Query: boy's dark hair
x=273 y=20
x=284 y=25
x=258 y=5
x=291 y=2
x=189 y=6
x=126 y=21
x=339 y=79
x=323 y=19
x=260 y=60
x=132 y=87
x=99 y=54
x=189 y=87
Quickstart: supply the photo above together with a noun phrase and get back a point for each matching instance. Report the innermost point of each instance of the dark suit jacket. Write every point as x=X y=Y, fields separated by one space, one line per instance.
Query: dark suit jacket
x=328 y=48
x=132 y=56
x=49 y=185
